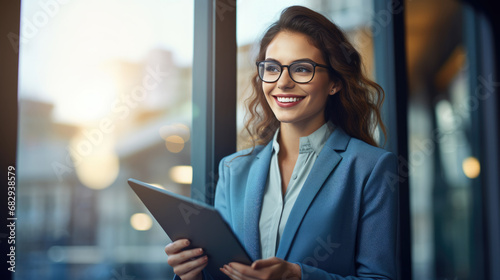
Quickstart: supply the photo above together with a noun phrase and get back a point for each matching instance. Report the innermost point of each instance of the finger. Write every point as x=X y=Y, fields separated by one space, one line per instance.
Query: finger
x=176 y=246
x=225 y=271
x=193 y=273
x=190 y=269
x=184 y=256
x=258 y=264
x=242 y=271
x=233 y=274
x=242 y=268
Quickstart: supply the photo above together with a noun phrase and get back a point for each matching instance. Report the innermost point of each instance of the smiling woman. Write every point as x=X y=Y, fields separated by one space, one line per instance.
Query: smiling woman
x=355 y=109
x=298 y=101
x=314 y=178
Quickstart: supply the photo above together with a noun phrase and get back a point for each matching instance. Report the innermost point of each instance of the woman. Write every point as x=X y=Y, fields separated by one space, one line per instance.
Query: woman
x=312 y=199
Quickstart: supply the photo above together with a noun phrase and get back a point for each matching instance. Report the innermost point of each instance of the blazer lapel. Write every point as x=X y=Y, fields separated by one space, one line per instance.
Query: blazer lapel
x=254 y=193
x=326 y=162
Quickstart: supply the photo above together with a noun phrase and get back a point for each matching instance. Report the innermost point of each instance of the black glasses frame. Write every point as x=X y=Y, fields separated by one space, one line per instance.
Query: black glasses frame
x=314 y=64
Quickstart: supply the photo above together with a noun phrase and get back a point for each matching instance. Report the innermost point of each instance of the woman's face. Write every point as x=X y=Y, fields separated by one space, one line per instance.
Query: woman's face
x=301 y=105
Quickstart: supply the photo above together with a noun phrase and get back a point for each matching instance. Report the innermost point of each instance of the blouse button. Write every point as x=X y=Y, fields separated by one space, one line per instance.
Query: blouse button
x=295 y=176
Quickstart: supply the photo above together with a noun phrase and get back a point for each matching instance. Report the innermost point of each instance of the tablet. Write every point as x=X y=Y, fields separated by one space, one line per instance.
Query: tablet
x=182 y=217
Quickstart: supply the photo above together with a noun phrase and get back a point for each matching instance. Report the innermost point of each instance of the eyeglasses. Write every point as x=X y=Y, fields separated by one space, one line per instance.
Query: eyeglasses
x=300 y=71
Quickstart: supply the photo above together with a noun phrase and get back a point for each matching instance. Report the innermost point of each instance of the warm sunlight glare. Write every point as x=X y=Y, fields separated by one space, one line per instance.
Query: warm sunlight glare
x=95 y=161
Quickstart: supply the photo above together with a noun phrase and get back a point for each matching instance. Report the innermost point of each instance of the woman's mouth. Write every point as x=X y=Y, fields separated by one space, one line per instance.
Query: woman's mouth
x=288 y=101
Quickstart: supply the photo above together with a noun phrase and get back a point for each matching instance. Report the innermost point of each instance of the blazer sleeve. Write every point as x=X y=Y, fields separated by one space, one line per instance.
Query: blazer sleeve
x=376 y=252
x=221 y=201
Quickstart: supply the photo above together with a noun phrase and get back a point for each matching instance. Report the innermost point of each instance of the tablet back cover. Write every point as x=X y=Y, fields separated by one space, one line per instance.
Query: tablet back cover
x=181 y=217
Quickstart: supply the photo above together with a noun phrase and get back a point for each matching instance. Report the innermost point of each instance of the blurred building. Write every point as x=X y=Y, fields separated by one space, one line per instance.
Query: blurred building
x=75 y=206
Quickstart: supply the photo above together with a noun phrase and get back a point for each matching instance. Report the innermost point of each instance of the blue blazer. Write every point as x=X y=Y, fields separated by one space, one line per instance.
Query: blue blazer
x=344 y=222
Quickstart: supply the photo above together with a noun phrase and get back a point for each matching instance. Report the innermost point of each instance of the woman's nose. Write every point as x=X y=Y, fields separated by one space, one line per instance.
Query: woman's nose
x=285 y=81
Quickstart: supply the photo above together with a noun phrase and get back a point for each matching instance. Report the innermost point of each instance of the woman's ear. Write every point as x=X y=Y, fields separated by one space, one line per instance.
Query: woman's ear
x=335 y=85
x=335 y=88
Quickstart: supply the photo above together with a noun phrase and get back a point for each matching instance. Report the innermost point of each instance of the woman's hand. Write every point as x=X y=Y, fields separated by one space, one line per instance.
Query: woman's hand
x=272 y=268
x=187 y=264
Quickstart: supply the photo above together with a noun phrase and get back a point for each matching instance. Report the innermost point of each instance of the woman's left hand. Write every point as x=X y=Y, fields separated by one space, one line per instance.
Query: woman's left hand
x=267 y=269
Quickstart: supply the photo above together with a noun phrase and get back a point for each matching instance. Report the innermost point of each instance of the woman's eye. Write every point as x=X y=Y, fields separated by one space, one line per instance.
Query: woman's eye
x=272 y=68
x=302 y=69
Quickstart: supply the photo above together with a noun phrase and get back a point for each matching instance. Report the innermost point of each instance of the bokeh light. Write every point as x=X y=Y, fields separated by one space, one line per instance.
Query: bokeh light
x=471 y=167
x=182 y=174
x=96 y=163
x=141 y=221
x=174 y=143
x=175 y=136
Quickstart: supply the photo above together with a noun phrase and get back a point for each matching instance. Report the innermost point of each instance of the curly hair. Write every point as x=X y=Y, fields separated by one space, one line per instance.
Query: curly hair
x=355 y=107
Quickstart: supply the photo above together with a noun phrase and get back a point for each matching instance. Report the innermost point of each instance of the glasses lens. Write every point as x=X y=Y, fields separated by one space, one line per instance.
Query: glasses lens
x=269 y=71
x=302 y=72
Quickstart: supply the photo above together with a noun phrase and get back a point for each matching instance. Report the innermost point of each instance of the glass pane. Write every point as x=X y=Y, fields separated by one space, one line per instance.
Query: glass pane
x=105 y=95
x=443 y=162
x=353 y=16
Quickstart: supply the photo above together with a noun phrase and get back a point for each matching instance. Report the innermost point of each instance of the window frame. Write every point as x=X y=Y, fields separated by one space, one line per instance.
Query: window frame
x=391 y=74
x=214 y=93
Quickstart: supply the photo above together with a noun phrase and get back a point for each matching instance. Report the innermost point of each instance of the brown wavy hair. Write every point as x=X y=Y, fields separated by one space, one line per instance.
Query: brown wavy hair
x=355 y=107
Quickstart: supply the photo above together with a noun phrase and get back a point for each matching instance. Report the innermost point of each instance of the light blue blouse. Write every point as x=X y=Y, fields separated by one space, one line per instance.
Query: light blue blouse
x=276 y=208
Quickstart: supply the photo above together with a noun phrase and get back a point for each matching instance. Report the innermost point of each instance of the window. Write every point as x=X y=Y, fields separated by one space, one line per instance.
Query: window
x=104 y=95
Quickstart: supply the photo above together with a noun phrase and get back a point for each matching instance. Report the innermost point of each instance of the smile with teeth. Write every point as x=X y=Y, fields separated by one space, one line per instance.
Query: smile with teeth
x=288 y=99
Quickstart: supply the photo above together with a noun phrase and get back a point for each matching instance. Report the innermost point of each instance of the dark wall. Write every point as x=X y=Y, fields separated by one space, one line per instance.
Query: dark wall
x=9 y=49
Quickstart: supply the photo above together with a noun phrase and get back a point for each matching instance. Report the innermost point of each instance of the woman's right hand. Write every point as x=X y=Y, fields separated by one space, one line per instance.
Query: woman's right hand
x=187 y=264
